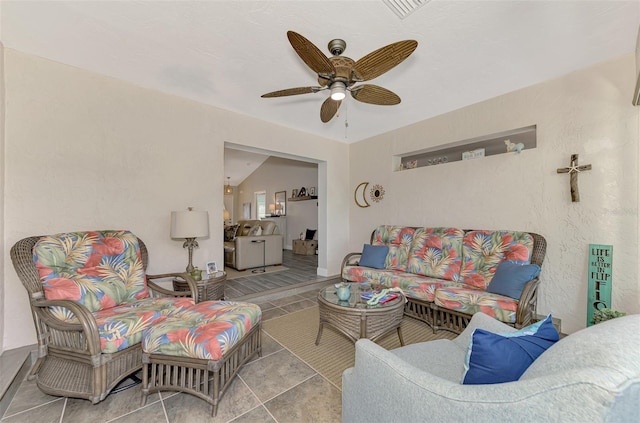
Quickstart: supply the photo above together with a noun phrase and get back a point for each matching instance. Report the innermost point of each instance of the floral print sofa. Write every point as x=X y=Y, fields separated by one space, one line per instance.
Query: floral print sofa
x=444 y=272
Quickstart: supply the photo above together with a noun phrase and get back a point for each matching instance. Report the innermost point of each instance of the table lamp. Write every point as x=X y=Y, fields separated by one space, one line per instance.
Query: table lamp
x=189 y=224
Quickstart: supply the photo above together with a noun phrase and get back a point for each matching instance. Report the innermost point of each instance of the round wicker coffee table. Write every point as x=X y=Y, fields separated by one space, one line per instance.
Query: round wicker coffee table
x=354 y=318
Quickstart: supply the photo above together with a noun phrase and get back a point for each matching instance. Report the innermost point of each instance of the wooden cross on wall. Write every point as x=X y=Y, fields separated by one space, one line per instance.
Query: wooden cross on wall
x=573 y=171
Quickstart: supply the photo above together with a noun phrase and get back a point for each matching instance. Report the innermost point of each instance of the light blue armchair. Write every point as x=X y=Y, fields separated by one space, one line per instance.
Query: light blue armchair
x=592 y=375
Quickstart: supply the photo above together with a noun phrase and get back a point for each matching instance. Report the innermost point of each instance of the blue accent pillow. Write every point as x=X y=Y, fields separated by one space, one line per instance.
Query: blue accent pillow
x=511 y=277
x=498 y=358
x=374 y=256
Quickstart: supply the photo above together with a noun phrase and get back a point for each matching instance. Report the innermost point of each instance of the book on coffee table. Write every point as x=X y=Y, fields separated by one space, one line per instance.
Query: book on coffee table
x=387 y=297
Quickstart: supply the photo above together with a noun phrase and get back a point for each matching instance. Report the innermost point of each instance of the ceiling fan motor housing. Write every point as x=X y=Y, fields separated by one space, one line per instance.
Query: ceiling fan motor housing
x=337 y=46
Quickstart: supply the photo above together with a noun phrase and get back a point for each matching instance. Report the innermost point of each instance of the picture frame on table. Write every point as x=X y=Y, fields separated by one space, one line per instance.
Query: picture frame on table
x=212 y=268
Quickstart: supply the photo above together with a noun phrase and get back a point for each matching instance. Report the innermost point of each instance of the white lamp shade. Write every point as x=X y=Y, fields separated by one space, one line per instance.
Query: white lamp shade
x=189 y=224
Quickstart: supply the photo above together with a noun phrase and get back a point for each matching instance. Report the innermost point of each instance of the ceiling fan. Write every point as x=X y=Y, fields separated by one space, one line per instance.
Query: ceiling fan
x=339 y=74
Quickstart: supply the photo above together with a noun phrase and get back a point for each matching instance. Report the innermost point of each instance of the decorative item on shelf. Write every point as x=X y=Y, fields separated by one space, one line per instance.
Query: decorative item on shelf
x=360 y=196
x=302 y=192
x=573 y=171
x=411 y=164
x=473 y=154
x=377 y=193
x=272 y=209
x=437 y=160
x=512 y=147
x=228 y=189
x=294 y=193
x=189 y=224
x=312 y=191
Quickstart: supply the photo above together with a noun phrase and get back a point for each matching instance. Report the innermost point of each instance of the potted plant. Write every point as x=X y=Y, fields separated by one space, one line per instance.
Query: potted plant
x=604 y=314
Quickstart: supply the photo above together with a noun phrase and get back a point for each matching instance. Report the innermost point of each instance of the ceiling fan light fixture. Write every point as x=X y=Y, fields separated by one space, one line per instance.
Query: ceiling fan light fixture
x=338 y=91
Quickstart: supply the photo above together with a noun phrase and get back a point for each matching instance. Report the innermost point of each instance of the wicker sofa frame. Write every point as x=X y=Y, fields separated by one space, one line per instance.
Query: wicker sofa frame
x=70 y=362
x=454 y=321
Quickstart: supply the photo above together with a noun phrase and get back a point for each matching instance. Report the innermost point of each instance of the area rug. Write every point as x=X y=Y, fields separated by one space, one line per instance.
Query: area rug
x=234 y=274
x=297 y=332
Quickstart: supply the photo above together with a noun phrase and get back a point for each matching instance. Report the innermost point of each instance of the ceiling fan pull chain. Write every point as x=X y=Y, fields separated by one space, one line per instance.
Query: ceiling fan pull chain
x=346 y=120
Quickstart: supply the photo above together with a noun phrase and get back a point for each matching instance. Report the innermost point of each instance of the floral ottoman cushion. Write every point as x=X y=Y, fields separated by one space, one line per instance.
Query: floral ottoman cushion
x=205 y=331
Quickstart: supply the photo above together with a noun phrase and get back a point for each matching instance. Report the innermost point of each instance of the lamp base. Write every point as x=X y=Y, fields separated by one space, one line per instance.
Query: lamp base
x=190 y=243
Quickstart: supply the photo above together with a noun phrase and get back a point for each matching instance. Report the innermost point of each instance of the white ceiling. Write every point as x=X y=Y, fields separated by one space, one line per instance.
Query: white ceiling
x=228 y=53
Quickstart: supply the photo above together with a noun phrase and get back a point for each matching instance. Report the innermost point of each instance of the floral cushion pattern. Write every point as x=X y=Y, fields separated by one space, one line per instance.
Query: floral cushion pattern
x=413 y=286
x=398 y=239
x=122 y=326
x=437 y=253
x=99 y=269
x=483 y=251
x=205 y=331
x=471 y=301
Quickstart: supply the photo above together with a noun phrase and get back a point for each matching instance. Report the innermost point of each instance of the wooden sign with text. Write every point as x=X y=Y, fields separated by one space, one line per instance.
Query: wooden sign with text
x=600 y=279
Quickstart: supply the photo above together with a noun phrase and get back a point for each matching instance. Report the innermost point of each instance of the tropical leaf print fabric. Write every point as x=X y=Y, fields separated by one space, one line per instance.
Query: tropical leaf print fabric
x=437 y=253
x=398 y=239
x=471 y=301
x=99 y=269
x=483 y=251
x=205 y=331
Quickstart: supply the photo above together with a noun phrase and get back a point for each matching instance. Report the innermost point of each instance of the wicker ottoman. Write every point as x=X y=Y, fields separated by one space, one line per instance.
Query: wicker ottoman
x=201 y=349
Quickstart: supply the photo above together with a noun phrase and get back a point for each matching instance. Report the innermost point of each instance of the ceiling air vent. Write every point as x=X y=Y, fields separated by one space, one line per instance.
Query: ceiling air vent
x=404 y=8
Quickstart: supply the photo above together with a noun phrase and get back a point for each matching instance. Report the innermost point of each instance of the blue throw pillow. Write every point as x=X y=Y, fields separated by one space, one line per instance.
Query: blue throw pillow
x=374 y=256
x=511 y=277
x=498 y=358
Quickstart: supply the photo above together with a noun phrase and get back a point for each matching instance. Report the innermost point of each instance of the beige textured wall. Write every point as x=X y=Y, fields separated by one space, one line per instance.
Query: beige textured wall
x=588 y=112
x=85 y=152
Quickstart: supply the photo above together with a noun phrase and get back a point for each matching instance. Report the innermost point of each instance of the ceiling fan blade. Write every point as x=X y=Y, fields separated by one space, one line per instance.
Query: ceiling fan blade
x=329 y=109
x=292 y=91
x=374 y=94
x=380 y=61
x=310 y=54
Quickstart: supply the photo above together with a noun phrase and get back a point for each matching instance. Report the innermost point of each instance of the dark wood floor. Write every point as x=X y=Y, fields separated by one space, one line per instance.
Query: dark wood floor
x=301 y=270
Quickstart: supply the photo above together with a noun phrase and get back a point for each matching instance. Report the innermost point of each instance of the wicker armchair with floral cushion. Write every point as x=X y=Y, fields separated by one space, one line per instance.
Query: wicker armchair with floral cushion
x=91 y=302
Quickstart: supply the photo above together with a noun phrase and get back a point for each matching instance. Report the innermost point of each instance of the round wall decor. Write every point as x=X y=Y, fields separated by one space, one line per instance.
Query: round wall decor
x=377 y=193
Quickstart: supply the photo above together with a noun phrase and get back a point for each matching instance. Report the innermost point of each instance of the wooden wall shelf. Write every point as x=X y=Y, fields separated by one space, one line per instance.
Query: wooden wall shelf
x=306 y=197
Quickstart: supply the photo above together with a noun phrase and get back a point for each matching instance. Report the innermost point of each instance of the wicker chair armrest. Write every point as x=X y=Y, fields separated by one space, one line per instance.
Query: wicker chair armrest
x=351 y=259
x=527 y=303
x=86 y=322
x=193 y=287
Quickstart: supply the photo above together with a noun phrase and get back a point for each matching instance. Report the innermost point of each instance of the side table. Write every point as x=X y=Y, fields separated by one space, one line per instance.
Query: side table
x=210 y=288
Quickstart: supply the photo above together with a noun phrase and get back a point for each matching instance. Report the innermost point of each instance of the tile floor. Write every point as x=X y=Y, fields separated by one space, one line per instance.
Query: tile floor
x=278 y=387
